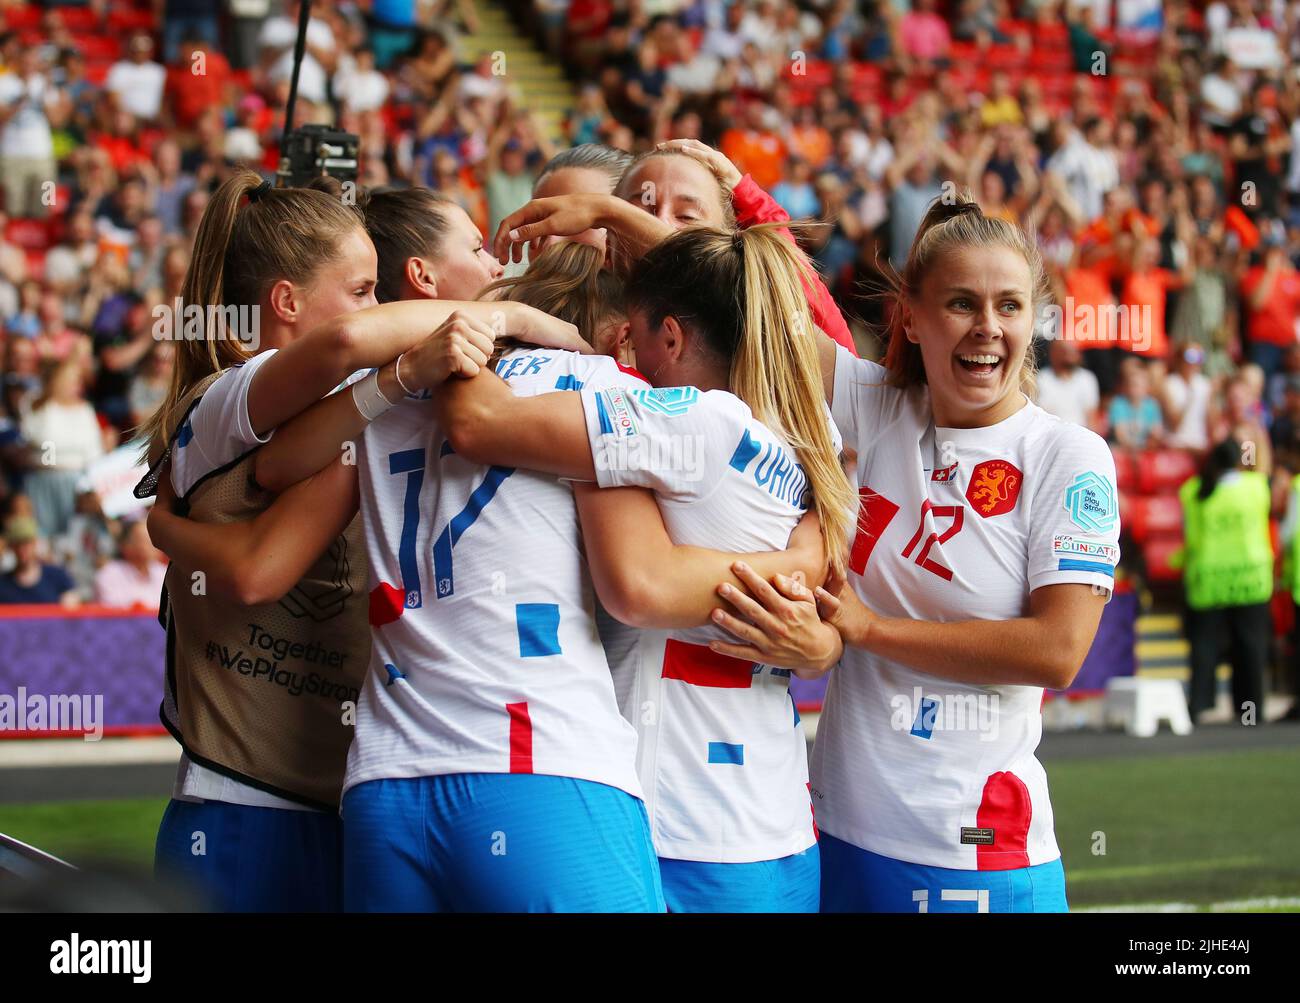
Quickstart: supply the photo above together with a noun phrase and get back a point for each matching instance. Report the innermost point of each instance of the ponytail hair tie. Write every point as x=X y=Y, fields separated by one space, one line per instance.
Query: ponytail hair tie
x=955 y=209
x=255 y=194
x=738 y=240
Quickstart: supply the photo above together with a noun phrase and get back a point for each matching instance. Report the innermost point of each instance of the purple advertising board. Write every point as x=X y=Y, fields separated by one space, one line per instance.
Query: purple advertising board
x=53 y=660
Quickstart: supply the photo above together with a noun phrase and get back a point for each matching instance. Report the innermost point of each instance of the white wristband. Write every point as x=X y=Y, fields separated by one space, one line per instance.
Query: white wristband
x=369 y=399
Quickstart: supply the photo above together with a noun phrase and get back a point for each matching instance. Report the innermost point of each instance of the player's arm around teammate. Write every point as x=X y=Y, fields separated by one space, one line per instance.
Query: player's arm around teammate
x=741 y=379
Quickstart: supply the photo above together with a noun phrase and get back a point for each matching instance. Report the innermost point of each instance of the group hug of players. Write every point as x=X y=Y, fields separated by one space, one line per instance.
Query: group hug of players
x=486 y=590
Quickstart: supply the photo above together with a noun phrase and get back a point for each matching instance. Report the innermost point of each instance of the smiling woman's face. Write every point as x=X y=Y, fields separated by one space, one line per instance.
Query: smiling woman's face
x=973 y=321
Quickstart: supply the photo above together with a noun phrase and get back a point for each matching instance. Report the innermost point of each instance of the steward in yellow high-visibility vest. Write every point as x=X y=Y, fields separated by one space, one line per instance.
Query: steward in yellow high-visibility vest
x=1227 y=561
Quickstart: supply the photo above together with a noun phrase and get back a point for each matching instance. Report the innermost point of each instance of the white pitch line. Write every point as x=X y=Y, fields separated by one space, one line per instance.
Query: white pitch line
x=1238 y=905
x=78 y=752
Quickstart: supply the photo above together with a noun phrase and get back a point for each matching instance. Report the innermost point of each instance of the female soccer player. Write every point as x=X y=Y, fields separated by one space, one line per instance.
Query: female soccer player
x=258 y=695
x=985 y=551
x=734 y=452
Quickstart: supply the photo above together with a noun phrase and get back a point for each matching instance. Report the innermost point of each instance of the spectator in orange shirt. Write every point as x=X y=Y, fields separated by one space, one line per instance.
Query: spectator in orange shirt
x=1107 y=241
x=196 y=81
x=1088 y=318
x=755 y=149
x=120 y=138
x=1142 y=331
x=1271 y=295
x=808 y=139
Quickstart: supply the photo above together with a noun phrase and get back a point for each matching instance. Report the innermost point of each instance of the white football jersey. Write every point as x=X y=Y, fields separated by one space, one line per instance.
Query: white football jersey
x=485 y=656
x=721 y=753
x=956 y=524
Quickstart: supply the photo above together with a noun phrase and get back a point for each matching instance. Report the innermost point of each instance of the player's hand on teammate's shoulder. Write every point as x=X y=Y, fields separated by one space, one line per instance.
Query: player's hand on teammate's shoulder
x=460 y=346
x=777 y=624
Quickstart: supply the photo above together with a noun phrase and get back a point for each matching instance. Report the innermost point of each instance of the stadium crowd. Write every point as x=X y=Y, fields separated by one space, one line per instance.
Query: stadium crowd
x=1153 y=150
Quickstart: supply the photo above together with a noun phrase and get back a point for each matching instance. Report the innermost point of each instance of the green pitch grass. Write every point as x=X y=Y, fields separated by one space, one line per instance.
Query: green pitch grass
x=1197 y=829
x=80 y=831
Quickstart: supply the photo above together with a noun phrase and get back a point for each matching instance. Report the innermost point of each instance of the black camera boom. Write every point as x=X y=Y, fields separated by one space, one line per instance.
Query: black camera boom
x=312 y=151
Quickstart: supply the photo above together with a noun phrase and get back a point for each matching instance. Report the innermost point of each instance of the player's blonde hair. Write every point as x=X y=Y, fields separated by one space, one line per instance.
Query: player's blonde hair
x=743 y=293
x=945 y=227
x=568 y=280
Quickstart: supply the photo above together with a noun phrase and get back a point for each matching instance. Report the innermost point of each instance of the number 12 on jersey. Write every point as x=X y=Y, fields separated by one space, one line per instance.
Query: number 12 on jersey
x=877 y=512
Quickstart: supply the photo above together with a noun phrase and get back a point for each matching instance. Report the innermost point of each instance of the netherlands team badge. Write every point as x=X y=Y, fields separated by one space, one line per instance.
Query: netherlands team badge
x=994 y=487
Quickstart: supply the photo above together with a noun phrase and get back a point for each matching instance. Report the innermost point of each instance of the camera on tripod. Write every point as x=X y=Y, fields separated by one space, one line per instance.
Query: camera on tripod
x=314 y=151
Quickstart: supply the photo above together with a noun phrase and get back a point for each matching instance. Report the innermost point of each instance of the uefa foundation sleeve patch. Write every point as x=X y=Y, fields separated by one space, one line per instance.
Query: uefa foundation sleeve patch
x=615 y=413
x=1084 y=553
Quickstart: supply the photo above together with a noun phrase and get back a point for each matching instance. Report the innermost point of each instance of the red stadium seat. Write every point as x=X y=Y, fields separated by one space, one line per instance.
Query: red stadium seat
x=1055 y=86
x=101 y=48
x=867 y=75
x=36 y=264
x=97 y=73
x=1003 y=57
x=127 y=20
x=1148 y=518
x=963 y=53
x=29 y=234
x=1051 y=60
x=78 y=19
x=20 y=18
x=1126 y=471
x=1051 y=36
x=816 y=73
x=1164 y=470
x=1156 y=554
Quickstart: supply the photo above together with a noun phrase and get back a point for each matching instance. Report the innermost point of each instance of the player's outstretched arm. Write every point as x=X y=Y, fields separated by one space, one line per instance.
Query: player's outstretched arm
x=259 y=560
x=566 y=215
x=486 y=423
x=645 y=580
x=303 y=372
x=461 y=345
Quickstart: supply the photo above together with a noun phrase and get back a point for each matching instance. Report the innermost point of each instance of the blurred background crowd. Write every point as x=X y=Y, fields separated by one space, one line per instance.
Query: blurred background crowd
x=1153 y=149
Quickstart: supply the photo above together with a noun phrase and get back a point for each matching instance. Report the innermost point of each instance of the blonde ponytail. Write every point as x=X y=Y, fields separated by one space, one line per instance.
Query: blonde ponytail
x=775 y=371
x=743 y=292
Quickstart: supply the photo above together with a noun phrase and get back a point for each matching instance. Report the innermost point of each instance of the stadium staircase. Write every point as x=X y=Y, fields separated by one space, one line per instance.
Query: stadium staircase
x=535 y=78
x=1152 y=517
